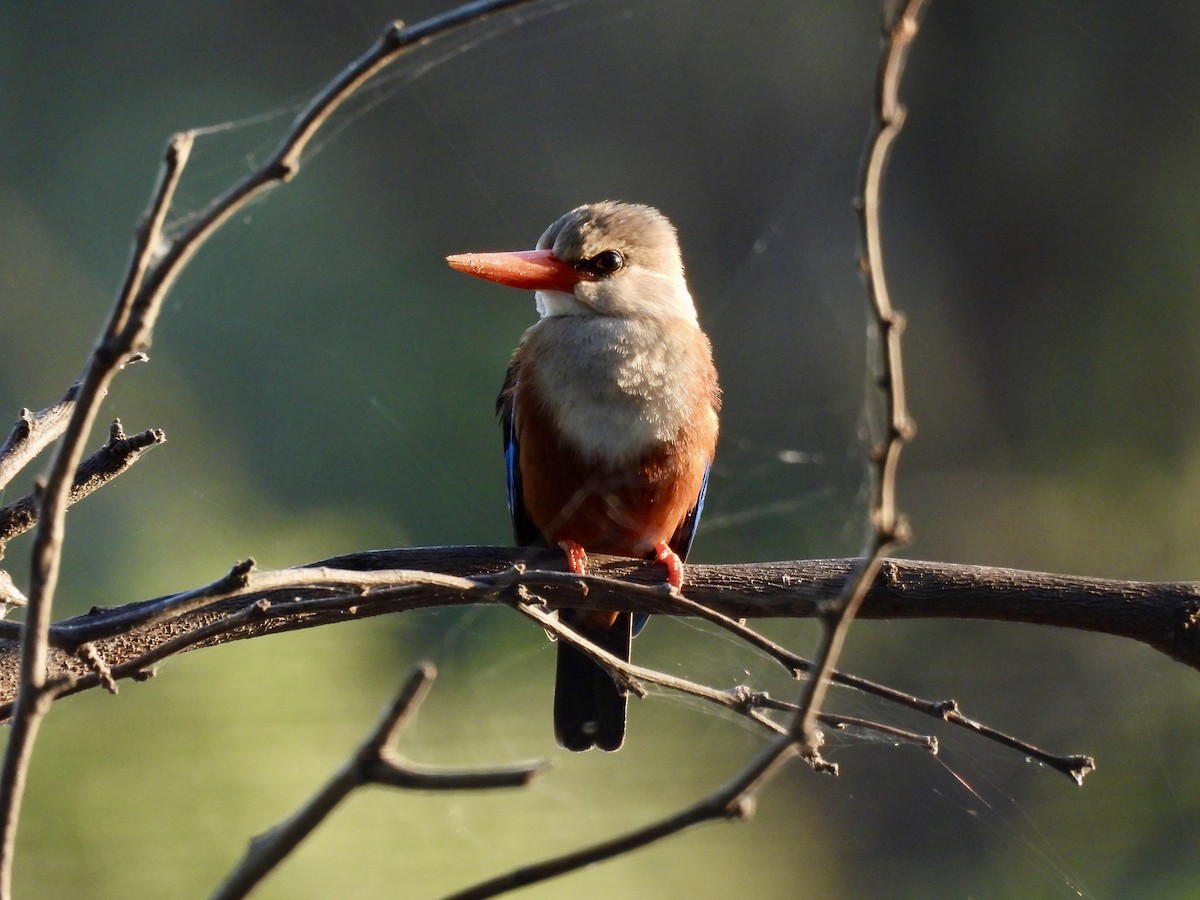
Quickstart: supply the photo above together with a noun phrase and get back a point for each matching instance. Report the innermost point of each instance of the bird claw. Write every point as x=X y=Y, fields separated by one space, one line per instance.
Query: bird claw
x=669 y=558
x=576 y=557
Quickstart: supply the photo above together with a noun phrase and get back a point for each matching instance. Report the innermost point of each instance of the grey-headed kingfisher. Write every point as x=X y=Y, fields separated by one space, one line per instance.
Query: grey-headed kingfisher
x=609 y=417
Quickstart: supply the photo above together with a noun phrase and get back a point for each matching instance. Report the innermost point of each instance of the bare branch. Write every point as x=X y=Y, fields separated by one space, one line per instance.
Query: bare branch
x=731 y=801
x=373 y=763
x=740 y=699
x=154 y=265
x=284 y=163
x=34 y=432
x=889 y=529
x=104 y=362
x=117 y=455
x=1160 y=615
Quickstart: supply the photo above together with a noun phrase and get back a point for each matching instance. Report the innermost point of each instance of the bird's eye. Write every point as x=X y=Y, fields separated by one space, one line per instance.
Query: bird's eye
x=606 y=263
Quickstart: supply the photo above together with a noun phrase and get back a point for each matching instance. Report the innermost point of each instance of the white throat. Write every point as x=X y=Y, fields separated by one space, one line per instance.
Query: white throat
x=616 y=388
x=559 y=303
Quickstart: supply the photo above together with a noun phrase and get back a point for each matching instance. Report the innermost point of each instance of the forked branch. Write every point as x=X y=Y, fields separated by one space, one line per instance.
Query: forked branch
x=375 y=762
x=156 y=262
x=119 y=453
x=889 y=529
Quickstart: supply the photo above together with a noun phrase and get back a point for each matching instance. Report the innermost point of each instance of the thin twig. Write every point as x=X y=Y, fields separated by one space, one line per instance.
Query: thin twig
x=34 y=432
x=284 y=164
x=946 y=710
x=374 y=762
x=32 y=702
x=631 y=677
x=119 y=453
x=154 y=266
x=732 y=801
x=888 y=528
x=740 y=699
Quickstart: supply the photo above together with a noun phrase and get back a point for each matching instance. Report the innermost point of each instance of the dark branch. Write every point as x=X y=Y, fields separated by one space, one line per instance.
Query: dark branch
x=1160 y=615
x=373 y=763
x=34 y=432
x=733 y=800
x=117 y=455
x=115 y=347
x=156 y=261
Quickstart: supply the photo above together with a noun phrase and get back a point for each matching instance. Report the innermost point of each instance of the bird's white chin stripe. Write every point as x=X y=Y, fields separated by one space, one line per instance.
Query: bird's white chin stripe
x=559 y=303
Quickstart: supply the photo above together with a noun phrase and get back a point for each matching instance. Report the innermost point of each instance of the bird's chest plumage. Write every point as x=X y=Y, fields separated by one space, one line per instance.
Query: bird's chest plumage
x=616 y=421
x=614 y=389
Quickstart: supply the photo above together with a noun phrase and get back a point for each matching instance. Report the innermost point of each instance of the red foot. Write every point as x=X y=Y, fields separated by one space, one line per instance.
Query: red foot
x=576 y=557
x=669 y=558
x=577 y=563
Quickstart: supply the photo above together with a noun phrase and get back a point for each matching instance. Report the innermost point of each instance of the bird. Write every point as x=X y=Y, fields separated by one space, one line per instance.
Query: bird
x=609 y=416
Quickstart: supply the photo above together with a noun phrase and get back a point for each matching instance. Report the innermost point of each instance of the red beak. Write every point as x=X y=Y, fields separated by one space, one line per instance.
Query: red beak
x=533 y=270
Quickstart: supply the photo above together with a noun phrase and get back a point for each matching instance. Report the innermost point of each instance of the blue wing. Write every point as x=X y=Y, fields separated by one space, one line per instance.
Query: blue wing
x=681 y=540
x=524 y=531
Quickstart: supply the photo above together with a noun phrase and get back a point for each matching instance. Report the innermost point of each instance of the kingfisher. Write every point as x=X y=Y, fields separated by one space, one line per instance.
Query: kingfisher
x=609 y=418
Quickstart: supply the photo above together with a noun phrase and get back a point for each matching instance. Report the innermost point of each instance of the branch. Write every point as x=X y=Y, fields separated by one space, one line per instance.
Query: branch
x=155 y=263
x=34 y=432
x=113 y=349
x=118 y=454
x=739 y=699
x=372 y=763
x=733 y=800
x=348 y=588
x=1077 y=767
x=307 y=597
x=322 y=594
x=889 y=529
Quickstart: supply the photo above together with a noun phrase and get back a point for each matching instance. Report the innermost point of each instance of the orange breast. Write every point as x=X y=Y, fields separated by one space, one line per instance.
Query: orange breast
x=621 y=510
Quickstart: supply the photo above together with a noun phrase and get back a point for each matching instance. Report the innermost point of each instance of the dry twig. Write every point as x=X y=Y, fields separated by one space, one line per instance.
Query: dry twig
x=373 y=763
x=156 y=262
x=119 y=453
x=34 y=432
x=889 y=529
x=118 y=342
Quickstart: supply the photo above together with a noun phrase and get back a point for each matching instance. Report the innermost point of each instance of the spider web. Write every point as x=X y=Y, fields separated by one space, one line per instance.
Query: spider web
x=373 y=373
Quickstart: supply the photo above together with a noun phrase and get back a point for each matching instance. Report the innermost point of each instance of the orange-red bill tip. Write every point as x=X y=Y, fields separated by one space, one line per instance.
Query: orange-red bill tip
x=532 y=270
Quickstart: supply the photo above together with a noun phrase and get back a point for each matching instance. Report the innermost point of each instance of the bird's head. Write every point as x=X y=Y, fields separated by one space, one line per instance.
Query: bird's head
x=611 y=259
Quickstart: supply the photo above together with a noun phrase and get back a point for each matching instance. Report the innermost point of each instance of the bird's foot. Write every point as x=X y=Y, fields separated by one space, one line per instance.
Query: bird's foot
x=576 y=557
x=669 y=558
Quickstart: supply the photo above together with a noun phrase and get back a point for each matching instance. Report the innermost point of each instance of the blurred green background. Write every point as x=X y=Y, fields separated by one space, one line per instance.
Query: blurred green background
x=326 y=385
